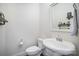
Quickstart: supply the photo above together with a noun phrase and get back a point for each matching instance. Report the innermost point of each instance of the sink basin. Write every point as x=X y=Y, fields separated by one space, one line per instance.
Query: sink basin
x=63 y=47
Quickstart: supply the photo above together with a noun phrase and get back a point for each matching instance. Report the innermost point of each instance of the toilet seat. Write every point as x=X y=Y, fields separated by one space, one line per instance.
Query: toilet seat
x=33 y=50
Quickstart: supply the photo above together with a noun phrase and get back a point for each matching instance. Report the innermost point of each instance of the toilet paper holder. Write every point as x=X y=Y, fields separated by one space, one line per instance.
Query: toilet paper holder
x=21 y=42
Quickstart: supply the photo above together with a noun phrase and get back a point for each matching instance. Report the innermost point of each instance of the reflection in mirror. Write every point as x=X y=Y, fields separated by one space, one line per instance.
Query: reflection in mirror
x=61 y=16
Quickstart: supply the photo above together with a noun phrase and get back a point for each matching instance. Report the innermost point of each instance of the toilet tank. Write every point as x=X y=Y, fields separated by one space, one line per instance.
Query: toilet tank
x=40 y=43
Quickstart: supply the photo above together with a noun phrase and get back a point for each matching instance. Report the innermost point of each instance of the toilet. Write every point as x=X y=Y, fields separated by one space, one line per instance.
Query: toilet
x=40 y=43
x=33 y=51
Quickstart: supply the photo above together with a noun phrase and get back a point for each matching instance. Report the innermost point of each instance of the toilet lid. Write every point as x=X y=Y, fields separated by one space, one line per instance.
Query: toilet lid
x=33 y=49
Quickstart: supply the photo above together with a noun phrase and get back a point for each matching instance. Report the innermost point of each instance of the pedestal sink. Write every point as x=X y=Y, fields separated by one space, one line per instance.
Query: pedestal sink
x=59 y=47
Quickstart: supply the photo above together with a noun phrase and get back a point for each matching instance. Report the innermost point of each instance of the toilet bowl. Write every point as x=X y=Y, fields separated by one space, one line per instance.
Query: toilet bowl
x=36 y=50
x=33 y=51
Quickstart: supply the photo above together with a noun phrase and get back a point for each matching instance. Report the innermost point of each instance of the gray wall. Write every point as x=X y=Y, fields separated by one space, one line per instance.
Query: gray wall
x=23 y=23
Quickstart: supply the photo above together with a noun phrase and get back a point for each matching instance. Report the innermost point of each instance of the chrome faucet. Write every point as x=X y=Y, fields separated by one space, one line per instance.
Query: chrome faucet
x=59 y=38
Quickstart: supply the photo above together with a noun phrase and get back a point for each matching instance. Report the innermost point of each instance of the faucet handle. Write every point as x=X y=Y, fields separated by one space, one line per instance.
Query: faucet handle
x=58 y=38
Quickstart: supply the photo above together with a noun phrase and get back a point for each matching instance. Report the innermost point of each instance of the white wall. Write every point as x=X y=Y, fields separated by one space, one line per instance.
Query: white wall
x=2 y=40
x=45 y=25
x=3 y=31
x=44 y=20
x=23 y=23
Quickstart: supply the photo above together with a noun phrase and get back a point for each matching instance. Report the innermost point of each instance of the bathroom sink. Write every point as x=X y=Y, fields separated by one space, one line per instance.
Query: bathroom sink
x=63 y=47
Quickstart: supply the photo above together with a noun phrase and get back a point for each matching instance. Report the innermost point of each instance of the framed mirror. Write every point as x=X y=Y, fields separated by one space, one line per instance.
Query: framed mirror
x=61 y=16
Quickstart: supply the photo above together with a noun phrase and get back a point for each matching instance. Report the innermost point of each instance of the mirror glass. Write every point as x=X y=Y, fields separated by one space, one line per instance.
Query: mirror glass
x=61 y=16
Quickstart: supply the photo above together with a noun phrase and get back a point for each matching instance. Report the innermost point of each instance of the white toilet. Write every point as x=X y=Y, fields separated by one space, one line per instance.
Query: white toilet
x=33 y=51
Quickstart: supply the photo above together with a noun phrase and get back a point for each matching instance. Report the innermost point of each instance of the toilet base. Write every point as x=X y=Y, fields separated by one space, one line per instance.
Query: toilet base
x=38 y=54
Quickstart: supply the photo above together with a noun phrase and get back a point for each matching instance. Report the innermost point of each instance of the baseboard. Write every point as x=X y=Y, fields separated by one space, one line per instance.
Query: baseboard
x=21 y=54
